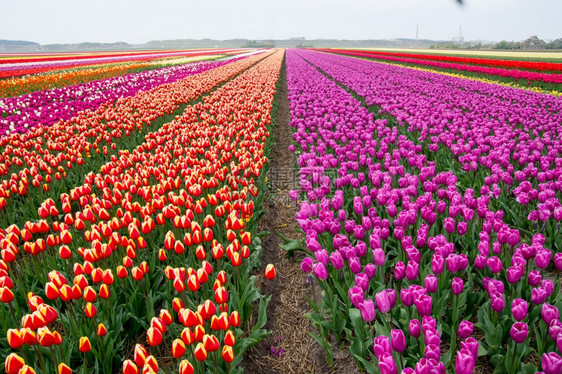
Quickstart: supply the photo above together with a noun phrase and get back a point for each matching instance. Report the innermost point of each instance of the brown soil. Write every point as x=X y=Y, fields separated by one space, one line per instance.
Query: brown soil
x=290 y=329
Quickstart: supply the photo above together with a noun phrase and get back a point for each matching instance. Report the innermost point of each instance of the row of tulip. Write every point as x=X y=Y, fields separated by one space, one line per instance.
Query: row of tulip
x=494 y=145
x=161 y=242
x=19 y=86
x=404 y=175
x=22 y=113
x=17 y=68
x=554 y=67
x=483 y=70
x=50 y=160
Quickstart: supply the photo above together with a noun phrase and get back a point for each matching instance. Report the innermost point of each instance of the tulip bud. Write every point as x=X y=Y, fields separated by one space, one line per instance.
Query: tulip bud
x=519 y=332
x=64 y=369
x=227 y=353
x=186 y=367
x=84 y=345
x=13 y=363
x=200 y=352
x=398 y=340
x=178 y=348
x=129 y=367
x=270 y=272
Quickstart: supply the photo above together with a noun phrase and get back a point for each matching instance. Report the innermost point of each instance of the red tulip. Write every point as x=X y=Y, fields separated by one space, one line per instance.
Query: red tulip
x=140 y=354
x=64 y=369
x=229 y=338
x=129 y=367
x=13 y=363
x=178 y=348
x=186 y=367
x=270 y=272
x=101 y=331
x=84 y=345
x=154 y=336
x=227 y=353
x=200 y=352
x=14 y=338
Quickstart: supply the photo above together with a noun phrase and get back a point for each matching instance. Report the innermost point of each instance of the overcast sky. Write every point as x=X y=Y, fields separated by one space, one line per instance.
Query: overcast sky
x=139 y=21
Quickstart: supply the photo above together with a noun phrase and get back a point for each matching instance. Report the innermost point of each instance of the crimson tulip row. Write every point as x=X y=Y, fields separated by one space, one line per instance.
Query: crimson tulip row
x=402 y=239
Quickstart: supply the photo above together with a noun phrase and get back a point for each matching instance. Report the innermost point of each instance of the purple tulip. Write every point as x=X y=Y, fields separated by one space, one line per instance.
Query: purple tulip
x=431 y=336
x=549 y=313
x=519 y=309
x=432 y=352
x=423 y=305
x=519 y=332
x=462 y=228
x=387 y=364
x=367 y=309
x=381 y=345
x=407 y=297
x=514 y=274
x=428 y=323
x=306 y=264
x=412 y=270
x=480 y=262
x=465 y=329
x=558 y=261
x=543 y=257
x=534 y=278
x=449 y=225
x=354 y=264
x=320 y=271
x=399 y=270
x=429 y=366
x=551 y=363
x=472 y=345
x=538 y=295
x=495 y=264
x=465 y=362
x=398 y=340
x=383 y=301
x=337 y=260
x=554 y=329
x=414 y=328
x=379 y=256
x=356 y=295
x=370 y=270
x=437 y=264
x=498 y=301
x=452 y=263
x=457 y=286
x=430 y=283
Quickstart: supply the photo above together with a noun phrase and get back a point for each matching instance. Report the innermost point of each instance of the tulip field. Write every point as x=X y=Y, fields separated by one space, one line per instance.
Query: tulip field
x=133 y=185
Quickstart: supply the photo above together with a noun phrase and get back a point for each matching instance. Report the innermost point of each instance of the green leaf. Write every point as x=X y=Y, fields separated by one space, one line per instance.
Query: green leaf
x=367 y=365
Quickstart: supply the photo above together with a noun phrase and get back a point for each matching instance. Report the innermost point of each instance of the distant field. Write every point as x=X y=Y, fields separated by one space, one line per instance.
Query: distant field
x=555 y=55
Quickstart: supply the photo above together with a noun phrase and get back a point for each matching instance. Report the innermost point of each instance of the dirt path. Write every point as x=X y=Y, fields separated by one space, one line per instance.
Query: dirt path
x=301 y=354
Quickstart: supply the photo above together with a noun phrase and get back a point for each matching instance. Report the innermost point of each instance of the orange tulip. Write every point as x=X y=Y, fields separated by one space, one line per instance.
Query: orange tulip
x=90 y=310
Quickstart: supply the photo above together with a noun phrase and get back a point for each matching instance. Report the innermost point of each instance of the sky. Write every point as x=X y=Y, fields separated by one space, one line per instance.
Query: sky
x=139 y=21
